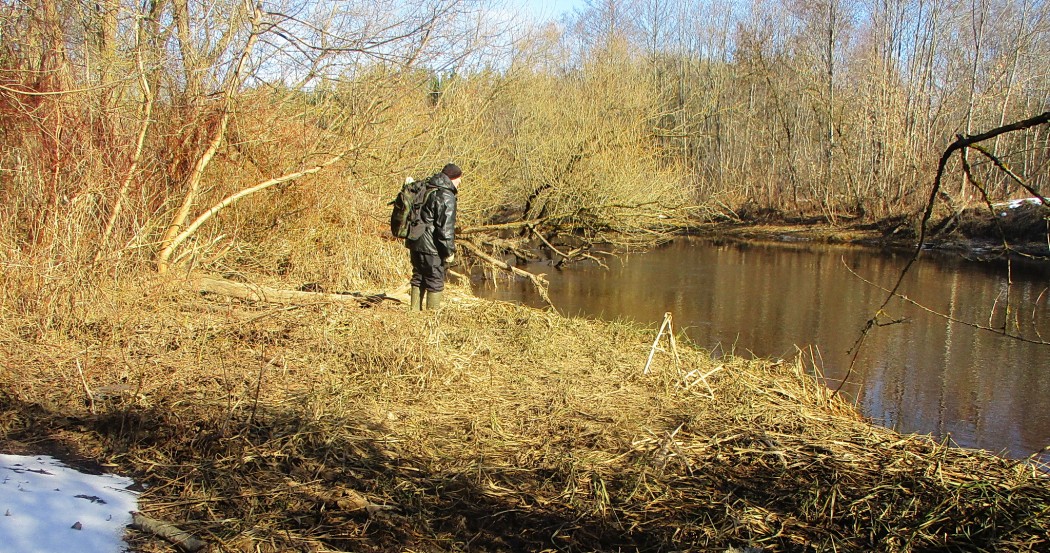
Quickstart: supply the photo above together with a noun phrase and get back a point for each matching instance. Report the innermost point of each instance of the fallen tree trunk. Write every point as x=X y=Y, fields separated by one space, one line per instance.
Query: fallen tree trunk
x=258 y=292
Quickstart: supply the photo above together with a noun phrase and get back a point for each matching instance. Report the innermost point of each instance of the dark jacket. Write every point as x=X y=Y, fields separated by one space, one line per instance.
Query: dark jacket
x=439 y=217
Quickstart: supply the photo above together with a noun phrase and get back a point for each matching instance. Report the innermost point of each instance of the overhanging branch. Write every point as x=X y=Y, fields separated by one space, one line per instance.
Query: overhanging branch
x=537 y=280
x=960 y=144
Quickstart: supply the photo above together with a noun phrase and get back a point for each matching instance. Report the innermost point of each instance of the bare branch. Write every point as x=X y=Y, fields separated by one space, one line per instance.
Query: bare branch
x=581 y=252
x=945 y=316
x=1002 y=167
x=229 y=90
x=234 y=198
x=136 y=158
x=501 y=226
x=960 y=144
x=537 y=280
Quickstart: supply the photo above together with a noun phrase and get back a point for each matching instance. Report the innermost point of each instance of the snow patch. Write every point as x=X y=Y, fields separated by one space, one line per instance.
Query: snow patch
x=47 y=507
x=1014 y=204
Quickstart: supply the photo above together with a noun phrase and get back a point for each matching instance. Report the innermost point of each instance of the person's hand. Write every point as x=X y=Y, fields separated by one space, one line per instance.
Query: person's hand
x=450 y=259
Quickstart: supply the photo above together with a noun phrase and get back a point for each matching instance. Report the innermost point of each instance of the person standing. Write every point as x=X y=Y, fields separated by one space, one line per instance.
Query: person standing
x=435 y=249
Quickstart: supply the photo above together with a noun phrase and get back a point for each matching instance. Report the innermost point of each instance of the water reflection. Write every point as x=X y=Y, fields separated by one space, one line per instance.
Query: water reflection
x=927 y=373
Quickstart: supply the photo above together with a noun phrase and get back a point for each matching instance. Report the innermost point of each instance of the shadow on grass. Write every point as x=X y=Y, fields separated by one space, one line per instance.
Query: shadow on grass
x=274 y=481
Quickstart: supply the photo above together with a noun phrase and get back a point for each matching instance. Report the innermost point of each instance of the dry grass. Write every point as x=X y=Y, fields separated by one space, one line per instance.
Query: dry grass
x=488 y=427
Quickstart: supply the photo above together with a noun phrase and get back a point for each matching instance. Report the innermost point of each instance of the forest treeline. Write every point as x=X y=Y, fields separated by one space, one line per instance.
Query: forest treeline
x=243 y=134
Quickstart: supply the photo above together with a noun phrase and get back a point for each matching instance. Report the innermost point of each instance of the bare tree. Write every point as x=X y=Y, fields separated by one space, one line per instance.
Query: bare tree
x=298 y=44
x=961 y=143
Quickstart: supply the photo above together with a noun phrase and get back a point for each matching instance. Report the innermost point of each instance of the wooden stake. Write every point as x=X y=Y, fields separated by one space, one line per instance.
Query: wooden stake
x=666 y=325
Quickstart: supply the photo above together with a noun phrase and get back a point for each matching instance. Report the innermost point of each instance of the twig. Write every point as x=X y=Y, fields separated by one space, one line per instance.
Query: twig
x=182 y=540
x=663 y=456
x=1035 y=314
x=503 y=226
x=950 y=318
x=1002 y=167
x=258 y=387
x=566 y=256
x=702 y=378
x=87 y=390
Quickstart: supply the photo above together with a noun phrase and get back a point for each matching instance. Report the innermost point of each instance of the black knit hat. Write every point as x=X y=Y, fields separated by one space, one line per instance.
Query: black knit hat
x=452 y=171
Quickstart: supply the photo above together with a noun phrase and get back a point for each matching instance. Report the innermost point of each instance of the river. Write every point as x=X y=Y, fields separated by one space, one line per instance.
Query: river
x=917 y=371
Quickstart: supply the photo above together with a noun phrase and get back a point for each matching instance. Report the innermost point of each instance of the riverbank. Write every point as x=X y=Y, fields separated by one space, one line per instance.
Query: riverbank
x=1017 y=230
x=487 y=427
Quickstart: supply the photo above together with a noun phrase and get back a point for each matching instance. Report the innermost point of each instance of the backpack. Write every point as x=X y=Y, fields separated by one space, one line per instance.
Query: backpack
x=405 y=221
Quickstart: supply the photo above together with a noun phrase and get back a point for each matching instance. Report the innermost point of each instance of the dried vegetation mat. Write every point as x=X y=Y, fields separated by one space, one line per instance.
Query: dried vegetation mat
x=485 y=427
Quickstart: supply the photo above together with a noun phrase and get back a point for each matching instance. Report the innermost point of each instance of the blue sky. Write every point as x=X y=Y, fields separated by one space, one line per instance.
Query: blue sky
x=545 y=9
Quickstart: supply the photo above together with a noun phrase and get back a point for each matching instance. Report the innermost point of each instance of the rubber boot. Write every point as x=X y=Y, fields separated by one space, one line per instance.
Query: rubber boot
x=417 y=299
x=433 y=300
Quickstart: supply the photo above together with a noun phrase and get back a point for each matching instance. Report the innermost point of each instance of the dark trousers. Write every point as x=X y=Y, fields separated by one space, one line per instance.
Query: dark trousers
x=428 y=272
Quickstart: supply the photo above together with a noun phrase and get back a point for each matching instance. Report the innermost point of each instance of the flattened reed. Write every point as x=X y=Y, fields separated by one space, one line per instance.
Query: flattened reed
x=490 y=427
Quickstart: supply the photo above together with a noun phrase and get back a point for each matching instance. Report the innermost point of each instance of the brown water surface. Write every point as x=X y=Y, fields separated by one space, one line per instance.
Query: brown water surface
x=929 y=374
